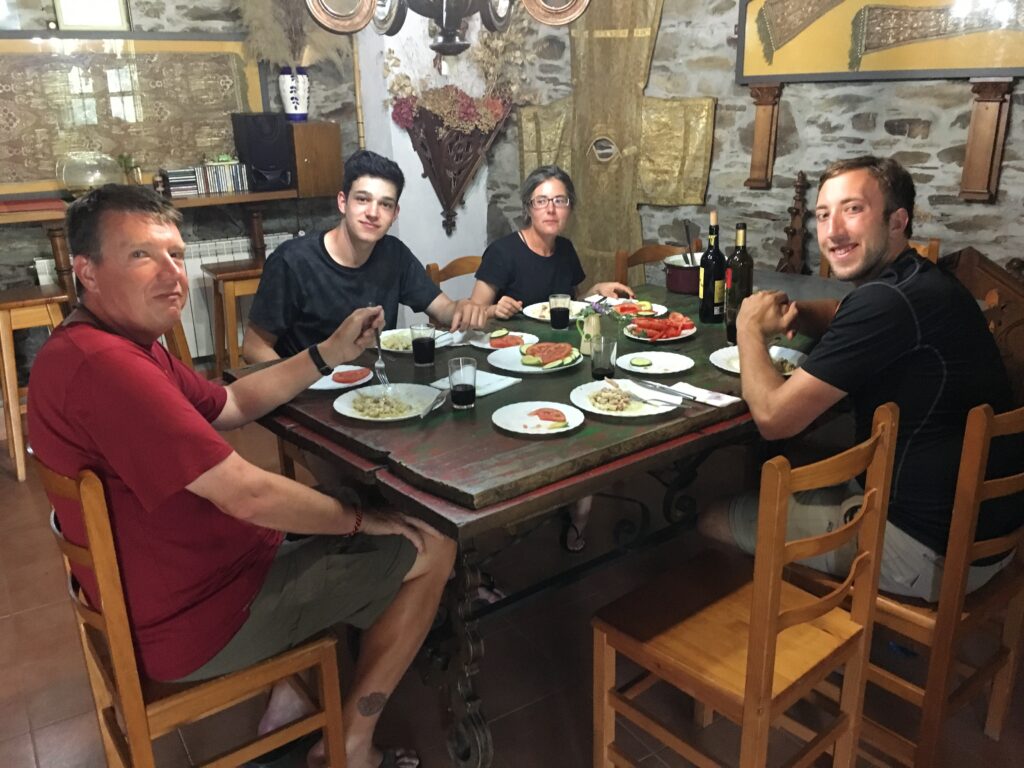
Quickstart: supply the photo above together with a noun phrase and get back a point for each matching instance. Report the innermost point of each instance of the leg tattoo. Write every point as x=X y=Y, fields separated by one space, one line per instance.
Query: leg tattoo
x=371 y=704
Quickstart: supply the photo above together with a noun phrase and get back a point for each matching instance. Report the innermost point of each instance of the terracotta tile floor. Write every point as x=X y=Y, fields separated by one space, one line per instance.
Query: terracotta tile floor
x=534 y=680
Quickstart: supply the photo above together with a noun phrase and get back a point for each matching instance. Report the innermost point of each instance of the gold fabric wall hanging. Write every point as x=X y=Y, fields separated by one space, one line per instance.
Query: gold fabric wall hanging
x=621 y=150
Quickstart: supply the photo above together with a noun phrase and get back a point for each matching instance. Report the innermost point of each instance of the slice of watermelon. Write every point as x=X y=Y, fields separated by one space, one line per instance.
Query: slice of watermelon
x=350 y=376
x=509 y=340
x=550 y=351
x=548 y=414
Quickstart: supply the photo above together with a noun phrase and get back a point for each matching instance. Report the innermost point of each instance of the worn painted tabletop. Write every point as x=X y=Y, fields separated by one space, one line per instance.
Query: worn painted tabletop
x=462 y=458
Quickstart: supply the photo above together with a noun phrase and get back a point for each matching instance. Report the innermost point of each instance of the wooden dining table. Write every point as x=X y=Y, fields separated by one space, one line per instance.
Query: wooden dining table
x=467 y=477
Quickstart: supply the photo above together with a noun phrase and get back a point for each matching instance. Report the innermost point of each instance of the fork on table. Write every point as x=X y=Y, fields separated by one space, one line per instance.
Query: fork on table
x=378 y=366
x=635 y=397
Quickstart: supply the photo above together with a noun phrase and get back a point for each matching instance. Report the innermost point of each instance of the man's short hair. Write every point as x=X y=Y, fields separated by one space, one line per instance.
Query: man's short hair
x=367 y=163
x=896 y=183
x=82 y=220
x=537 y=177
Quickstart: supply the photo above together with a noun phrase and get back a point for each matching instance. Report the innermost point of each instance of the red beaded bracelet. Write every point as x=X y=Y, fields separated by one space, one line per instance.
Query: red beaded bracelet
x=358 y=525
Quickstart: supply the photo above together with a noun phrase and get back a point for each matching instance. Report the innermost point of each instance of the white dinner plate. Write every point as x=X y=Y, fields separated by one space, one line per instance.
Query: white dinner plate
x=416 y=396
x=508 y=359
x=657 y=309
x=516 y=417
x=403 y=338
x=661 y=362
x=326 y=382
x=580 y=397
x=728 y=358
x=482 y=339
x=541 y=310
x=637 y=337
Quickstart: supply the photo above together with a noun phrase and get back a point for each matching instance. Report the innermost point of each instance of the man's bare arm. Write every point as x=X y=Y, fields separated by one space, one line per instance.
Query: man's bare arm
x=258 y=345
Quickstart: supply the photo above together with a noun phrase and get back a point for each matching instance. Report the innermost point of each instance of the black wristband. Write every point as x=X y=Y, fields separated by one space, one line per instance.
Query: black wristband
x=318 y=361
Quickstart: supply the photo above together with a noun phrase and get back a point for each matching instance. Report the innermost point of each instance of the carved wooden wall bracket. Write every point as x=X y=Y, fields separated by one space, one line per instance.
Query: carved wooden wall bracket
x=794 y=256
x=985 y=138
x=766 y=125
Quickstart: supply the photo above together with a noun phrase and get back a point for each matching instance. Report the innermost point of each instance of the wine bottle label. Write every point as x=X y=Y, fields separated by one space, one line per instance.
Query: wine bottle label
x=728 y=278
x=719 y=295
x=700 y=284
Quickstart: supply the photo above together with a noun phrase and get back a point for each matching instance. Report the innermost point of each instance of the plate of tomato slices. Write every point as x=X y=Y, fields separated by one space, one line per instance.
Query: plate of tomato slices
x=485 y=340
x=636 y=307
x=537 y=417
x=343 y=377
x=672 y=328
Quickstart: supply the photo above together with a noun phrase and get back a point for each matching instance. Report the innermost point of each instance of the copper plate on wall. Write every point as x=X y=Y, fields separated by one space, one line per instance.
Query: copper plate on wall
x=343 y=16
x=555 y=12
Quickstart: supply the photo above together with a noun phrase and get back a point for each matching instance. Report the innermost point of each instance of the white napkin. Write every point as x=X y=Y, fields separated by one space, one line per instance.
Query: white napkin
x=487 y=383
x=706 y=396
x=452 y=338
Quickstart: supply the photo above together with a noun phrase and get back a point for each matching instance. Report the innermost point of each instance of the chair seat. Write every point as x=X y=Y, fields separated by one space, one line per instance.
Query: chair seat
x=243 y=269
x=31 y=296
x=691 y=627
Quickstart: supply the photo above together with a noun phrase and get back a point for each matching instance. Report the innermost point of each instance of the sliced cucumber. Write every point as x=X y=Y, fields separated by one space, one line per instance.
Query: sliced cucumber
x=558 y=425
x=530 y=360
x=555 y=364
x=574 y=355
x=646 y=313
x=499 y=333
x=524 y=348
x=644 y=306
x=640 y=362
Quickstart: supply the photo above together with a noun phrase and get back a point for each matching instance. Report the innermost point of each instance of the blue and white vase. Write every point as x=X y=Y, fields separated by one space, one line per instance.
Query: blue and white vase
x=294 y=93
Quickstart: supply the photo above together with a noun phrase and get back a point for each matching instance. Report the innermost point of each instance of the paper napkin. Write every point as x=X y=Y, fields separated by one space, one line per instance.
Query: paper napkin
x=486 y=383
x=706 y=396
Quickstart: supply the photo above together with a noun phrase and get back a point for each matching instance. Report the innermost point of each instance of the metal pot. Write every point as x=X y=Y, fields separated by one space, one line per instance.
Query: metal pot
x=682 y=273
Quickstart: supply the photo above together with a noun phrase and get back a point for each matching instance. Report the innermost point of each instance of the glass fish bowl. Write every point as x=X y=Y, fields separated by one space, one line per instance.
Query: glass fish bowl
x=78 y=172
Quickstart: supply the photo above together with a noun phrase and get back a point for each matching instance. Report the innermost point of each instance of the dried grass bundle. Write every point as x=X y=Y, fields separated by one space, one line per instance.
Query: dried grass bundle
x=283 y=33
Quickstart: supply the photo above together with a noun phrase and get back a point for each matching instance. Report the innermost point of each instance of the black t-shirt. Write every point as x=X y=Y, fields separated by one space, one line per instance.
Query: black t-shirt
x=915 y=336
x=304 y=295
x=512 y=269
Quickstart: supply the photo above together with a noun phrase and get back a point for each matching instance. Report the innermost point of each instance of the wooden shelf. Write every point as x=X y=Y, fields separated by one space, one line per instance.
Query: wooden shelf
x=27 y=217
x=233 y=199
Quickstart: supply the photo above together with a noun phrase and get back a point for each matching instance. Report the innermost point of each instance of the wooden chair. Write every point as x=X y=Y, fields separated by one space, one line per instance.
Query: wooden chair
x=177 y=344
x=928 y=250
x=752 y=652
x=941 y=628
x=133 y=711
x=231 y=281
x=20 y=308
x=464 y=265
x=645 y=255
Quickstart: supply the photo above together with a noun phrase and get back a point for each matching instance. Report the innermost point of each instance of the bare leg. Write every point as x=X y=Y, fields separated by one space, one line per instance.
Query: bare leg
x=713 y=522
x=579 y=516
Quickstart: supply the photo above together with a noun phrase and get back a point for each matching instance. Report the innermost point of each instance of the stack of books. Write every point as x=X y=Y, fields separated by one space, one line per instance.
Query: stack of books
x=181 y=182
x=214 y=178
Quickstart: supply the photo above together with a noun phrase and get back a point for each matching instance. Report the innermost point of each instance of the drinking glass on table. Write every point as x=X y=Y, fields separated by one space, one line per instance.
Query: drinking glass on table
x=462 y=379
x=558 y=310
x=422 y=344
x=602 y=356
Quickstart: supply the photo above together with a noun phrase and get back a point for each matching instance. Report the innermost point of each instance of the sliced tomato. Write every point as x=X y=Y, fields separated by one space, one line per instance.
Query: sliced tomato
x=549 y=351
x=350 y=377
x=508 y=340
x=627 y=309
x=548 y=414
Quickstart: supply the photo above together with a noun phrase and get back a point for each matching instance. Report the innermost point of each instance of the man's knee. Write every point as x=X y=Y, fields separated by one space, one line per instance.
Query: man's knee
x=713 y=522
x=437 y=558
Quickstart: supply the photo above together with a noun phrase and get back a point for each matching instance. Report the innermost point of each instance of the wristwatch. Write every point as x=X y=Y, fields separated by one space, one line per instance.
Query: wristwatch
x=319 y=362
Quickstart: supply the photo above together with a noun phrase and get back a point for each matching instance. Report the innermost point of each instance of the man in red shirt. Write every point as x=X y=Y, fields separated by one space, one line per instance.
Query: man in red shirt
x=209 y=585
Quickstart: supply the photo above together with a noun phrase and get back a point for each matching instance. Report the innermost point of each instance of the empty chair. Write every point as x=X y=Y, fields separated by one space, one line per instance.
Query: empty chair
x=750 y=648
x=941 y=628
x=645 y=255
x=464 y=265
x=133 y=711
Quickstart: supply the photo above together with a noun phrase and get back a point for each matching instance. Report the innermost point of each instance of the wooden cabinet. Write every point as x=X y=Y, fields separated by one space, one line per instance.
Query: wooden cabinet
x=318 y=167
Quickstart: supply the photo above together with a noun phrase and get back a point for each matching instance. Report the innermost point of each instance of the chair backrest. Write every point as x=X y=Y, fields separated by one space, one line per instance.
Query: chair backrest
x=177 y=344
x=928 y=249
x=464 y=265
x=106 y=634
x=778 y=482
x=645 y=255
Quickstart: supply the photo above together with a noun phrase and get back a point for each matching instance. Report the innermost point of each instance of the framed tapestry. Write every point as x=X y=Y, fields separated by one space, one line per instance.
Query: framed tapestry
x=827 y=40
x=166 y=102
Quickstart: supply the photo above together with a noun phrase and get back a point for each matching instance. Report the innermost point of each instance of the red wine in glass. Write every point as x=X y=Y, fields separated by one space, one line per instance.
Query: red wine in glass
x=463 y=395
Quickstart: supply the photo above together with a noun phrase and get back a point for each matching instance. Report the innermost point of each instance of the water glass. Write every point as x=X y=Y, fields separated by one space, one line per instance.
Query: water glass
x=602 y=356
x=462 y=379
x=422 y=344
x=558 y=309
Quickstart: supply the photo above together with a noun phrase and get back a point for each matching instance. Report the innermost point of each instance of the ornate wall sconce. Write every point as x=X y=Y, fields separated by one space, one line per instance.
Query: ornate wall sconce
x=347 y=16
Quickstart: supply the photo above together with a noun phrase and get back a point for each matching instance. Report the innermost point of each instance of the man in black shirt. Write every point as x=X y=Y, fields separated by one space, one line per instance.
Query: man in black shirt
x=311 y=284
x=909 y=333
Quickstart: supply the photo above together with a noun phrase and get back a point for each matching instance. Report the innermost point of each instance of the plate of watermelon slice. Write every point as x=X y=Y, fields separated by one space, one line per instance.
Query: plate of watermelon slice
x=537 y=417
x=540 y=357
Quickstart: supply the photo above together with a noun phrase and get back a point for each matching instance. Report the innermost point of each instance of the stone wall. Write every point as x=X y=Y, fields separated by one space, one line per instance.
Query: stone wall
x=923 y=124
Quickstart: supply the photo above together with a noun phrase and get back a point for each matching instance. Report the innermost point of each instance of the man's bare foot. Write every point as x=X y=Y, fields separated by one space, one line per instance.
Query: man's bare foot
x=373 y=758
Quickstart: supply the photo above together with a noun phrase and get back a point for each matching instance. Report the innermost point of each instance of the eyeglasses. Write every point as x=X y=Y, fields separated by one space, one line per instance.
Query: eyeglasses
x=539 y=203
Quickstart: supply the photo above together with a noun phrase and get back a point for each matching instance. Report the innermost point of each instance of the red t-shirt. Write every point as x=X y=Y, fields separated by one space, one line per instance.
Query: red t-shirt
x=141 y=420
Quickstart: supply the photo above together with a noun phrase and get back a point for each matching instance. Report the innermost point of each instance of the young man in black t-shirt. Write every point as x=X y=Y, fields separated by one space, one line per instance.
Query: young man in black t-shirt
x=310 y=284
x=909 y=333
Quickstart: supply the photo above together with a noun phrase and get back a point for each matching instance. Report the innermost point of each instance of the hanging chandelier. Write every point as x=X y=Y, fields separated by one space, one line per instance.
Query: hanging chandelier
x=388 y=16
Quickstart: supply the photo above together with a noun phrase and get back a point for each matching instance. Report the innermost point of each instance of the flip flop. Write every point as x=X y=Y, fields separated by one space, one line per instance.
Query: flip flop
x=577 y=543
x=393 y=758
x=302 y=743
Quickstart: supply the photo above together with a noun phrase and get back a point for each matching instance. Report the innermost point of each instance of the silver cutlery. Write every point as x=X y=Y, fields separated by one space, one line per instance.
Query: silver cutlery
x=436 y=402
x=656 y=387
x=378 y=366
x=657 y=401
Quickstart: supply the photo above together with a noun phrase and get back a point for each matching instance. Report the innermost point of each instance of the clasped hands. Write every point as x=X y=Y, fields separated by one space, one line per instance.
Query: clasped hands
x=768 y=313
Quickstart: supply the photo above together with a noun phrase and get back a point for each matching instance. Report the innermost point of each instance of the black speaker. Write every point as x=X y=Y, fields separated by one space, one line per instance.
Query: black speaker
x=264 y=143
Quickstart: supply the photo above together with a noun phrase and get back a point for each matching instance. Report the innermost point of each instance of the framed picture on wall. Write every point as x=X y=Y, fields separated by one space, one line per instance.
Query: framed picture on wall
x=829 y=40
x=108 y=15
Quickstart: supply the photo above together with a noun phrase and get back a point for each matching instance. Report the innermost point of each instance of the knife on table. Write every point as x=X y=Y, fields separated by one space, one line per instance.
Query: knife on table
x=656 y=387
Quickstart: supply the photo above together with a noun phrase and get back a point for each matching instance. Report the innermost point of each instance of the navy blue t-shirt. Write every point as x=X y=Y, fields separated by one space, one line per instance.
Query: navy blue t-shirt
x=512 y=269
x=304 y=295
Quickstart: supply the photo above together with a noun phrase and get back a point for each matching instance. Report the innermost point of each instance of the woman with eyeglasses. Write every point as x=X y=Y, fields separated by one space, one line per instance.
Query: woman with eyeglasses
x=529 y=265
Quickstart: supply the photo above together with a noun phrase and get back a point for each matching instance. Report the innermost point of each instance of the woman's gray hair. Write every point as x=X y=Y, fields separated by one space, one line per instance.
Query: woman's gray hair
x=537 y=177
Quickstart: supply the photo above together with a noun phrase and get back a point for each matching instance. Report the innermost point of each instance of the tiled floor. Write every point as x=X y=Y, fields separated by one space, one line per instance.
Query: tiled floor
x=534 y=680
